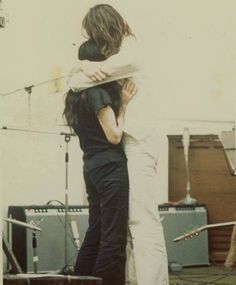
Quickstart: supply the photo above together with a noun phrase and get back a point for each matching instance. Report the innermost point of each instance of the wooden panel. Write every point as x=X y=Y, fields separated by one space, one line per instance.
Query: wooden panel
x=211 y=183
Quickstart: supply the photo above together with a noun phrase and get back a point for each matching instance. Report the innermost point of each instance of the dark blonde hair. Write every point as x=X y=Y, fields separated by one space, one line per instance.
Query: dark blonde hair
x=106 y=27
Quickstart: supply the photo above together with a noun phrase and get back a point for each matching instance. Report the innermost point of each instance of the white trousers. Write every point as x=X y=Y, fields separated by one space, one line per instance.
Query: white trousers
x=146 y=252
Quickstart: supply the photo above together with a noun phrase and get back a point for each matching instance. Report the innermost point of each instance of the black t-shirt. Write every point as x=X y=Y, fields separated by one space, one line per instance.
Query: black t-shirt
x=97 y=149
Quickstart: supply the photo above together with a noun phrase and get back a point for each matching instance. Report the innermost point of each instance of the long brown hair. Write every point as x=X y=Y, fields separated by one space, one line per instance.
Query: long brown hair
x=106 y=27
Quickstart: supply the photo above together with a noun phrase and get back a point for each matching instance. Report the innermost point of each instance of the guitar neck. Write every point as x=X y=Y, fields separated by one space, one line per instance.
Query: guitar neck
x=201 y=229
x=220 y=225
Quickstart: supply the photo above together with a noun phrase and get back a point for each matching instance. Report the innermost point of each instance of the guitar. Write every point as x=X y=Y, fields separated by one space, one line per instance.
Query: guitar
x=197 y=231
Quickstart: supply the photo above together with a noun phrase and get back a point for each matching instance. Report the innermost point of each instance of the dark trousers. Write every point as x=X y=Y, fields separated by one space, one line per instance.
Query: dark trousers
x=102 y=253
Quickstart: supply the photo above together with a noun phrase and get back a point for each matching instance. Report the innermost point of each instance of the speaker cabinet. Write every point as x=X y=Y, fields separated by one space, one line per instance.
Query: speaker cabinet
x=51 y=240
x=178 y=220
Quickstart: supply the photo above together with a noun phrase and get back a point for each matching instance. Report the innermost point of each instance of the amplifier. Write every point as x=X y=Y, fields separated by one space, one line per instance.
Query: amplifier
x=178 y=220
x=51 y=241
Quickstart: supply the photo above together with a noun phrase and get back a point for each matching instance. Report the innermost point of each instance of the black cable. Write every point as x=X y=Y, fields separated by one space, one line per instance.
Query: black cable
x=59 y=202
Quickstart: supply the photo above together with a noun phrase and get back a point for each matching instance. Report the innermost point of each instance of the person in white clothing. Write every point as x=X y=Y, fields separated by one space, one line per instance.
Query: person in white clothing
x=146 y=252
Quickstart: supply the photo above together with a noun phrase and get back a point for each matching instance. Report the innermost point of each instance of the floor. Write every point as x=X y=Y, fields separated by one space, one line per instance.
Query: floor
x=203 y=276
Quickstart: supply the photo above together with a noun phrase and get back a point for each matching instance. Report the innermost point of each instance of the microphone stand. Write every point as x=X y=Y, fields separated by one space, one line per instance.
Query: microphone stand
x=67 y=136
x=35 y=246
x=66 y=269
x=188 y=200
x=35 y=254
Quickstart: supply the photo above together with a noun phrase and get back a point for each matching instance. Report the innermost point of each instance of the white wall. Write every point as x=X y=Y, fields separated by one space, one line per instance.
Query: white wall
x=190 y=43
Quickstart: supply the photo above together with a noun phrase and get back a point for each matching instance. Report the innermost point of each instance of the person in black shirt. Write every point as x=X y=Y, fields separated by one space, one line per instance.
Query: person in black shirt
x=97 y=117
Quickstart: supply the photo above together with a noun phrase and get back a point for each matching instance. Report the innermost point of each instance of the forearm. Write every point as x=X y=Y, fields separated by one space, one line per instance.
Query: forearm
x=79 y=81
x=121 y=120
x=111 y=125
x=118 y=65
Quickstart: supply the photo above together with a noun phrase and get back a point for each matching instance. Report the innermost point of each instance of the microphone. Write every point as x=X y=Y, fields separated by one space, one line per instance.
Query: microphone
x=75 y=233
